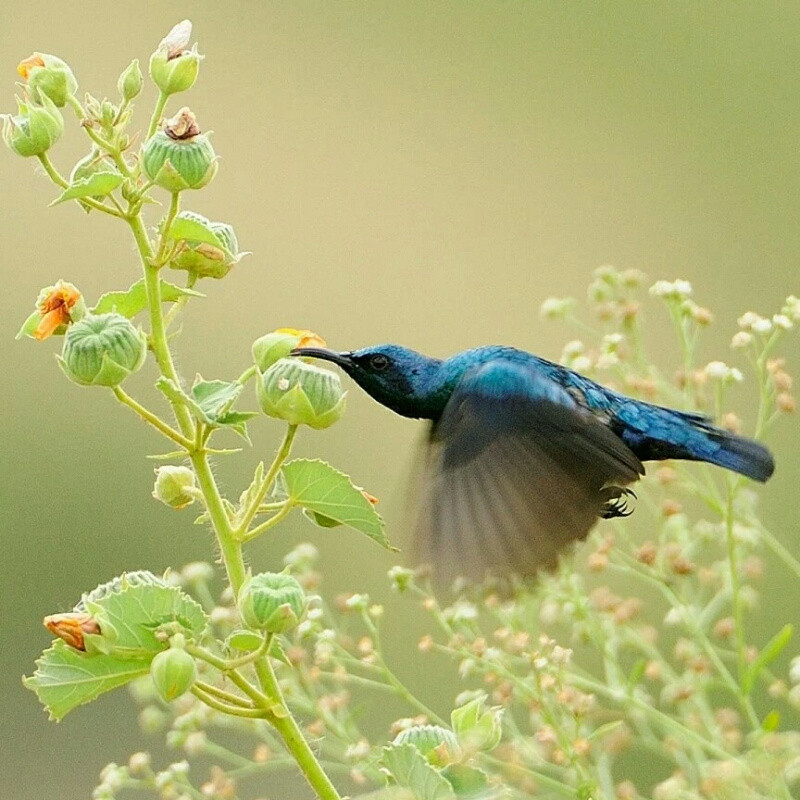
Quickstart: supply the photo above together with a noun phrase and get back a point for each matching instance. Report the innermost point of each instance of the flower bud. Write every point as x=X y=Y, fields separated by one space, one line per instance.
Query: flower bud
x=35 y=129
x=102 y=350
x=204 y=259
x=173 y=68
x=272 y=602
x=173 y=672
x=180 y=156
x=58 y=307
x=476 y=726
x=48 y=76
x=278 y=344
x=300 y=393
x=437 y=744
x=130 y=81
x=171 y=484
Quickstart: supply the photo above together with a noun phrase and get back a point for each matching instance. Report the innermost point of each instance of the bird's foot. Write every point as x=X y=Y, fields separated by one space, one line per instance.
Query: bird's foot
x=615 y=502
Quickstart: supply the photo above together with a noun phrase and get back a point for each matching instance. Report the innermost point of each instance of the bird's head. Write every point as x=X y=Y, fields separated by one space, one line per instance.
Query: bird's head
x=395 y=376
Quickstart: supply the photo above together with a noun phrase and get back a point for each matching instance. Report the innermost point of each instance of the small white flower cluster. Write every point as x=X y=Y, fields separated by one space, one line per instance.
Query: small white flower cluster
x=720 y=371
x=791 y=308
x=574 y=356
x=671 y=290
x=755 y=323
x=609 y=350
x=556 y=307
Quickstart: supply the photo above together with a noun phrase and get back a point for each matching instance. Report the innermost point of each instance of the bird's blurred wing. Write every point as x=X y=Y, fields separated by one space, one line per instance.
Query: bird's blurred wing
x=514 y=473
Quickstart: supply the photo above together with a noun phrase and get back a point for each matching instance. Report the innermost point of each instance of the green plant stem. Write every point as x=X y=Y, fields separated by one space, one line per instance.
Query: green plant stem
x=174 y=208
x=282 y=513
x=241 y=531
x=736 y=602
x=400 y=688
x=157 y=112
x=151 y=418
x=221 y=694
x=224 y=708
x=231 y=549
x=779 y=550
x=158 y=338
x=292 y=736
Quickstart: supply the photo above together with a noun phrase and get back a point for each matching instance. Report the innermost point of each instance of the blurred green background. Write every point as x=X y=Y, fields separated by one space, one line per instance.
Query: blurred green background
x=425 y=173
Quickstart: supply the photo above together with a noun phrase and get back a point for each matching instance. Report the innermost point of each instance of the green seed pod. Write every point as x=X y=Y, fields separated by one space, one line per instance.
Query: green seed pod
x=272 y=602
x=35 y=129
x=179 y=157
x=50 y=77
x=300 y=393
x=436 y=743
x=173 y=68
x=171 y=484
x=173 y=672
x=102 y=350
x=130 y=81
x=214 y=255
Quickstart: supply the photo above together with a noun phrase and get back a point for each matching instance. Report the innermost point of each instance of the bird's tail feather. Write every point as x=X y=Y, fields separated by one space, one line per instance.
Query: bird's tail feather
x=744 y=456
x=656 y=433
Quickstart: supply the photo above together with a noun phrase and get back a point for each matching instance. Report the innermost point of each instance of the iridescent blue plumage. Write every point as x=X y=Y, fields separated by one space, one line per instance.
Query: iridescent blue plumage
x=525 y=454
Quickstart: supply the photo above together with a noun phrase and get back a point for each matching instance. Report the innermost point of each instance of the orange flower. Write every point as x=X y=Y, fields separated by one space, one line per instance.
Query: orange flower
x=71 y=627
x=55 y=309
x=24 y=67
x=307 y=338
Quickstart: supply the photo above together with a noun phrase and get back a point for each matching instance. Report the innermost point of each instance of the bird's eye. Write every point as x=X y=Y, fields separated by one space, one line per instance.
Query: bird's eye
x=378 y=362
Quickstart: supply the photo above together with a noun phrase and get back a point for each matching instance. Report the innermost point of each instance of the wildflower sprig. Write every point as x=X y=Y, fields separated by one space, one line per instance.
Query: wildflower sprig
x=135 y=626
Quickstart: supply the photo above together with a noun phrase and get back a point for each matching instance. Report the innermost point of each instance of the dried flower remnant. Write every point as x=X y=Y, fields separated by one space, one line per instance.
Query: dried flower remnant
x=57 y=306
x=72 y=627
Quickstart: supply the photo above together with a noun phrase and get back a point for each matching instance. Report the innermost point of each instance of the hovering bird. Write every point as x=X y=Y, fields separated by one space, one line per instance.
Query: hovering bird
x=525 y=455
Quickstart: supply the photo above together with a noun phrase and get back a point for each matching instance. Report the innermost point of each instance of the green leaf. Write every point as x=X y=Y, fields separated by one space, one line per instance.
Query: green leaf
x=243 y=639
x=215 y=398
x=134 y=300
x=320 y=488
x=410 y=769
x=66 y=678
x=773 y=648
x=190 y=230
x=29 y=326
x=469 y=783
x=130 y=619
x=99 y=184
x=130 y=616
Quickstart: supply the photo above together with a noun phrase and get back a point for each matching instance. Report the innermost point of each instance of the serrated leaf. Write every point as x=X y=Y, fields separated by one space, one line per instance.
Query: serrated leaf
x=129 y=619
x=320 y=488
x=469 y=783
x=409 y=768
x=190 y=230
x=66 y=678
x=133 y=300
x=387 y=793
x=29 y=326
x=101 y=183
x=244 y=640
x=771 y=650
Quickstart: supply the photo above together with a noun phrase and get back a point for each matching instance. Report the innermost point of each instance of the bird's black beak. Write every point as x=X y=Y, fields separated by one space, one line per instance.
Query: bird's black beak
x=343 y=360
